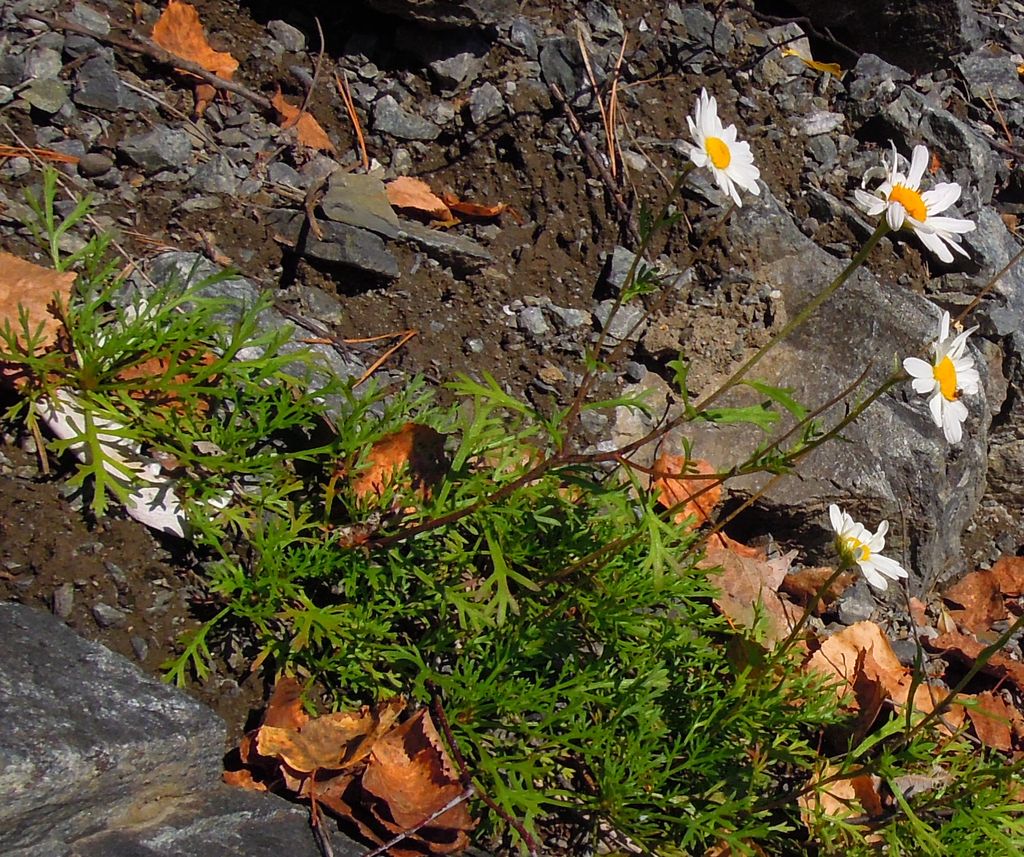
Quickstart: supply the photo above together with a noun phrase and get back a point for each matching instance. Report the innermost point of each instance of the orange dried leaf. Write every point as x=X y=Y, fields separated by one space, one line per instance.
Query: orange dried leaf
x=285 y=708
x=993 y=720
x=410 y=776
x=674 y=485
x=473 y=209
x=980 y=599
x=967 y=649
x=414 y=194
x=1009 y=575
x=824 y=67
x=749 y=590
x=179 y=32
x=804 y=585
x=41 y=154
x=307 y=130
x=243 y=779
x=841 y=798
x=24 y=284
x=417 y=446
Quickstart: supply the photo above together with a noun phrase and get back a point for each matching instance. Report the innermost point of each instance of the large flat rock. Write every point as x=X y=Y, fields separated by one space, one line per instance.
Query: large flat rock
x=97 y=758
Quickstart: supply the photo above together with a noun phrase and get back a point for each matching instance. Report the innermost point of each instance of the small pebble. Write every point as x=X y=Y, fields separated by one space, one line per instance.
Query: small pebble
x=94 y=164
x=107 y=616
x=140 y=647
x=63 y=601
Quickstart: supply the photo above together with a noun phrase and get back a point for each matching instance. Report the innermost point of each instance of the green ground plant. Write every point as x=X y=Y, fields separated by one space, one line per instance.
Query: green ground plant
x=537 y=591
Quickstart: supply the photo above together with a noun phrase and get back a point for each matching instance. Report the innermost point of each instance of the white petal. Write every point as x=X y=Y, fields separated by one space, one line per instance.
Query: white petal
x=944 y=327
x=889 y=567
x=868 y=202
x=918 y=368
x=951 y=224
x=935 y=243
x=935 y=406
x=835 y=518
x=873 y=577
x=918 y=161
x=895 y=214
x=940 y=197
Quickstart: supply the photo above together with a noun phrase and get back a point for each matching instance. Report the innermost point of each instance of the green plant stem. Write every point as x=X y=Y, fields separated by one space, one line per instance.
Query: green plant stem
x=800 y=317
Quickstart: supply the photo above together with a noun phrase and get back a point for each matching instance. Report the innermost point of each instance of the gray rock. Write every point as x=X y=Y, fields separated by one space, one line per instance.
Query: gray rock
x=99 y=86
x=108 y=617
x=561 y=64
x=857 y=604
x=360 y=200
x=992 y=74
x=894 y=463
x=452 y=72
x=485 y=103
x=603 y=19
x=89 y=740
x=217 y=175
x=94 y=164
x=12 y=69
x=463 y=255
x=86 y=16
x=823 y=150
x=567 y=318
x=140 y=648
x=43 y=63
x=531 y=320
x=965 y=155
x=46 y=94
x=290 y=38
x=63 y=600
x=6 y=94
x=873 y=78
x=620 y=326
x=341 y=244
x=523 y=36
x=448 y=13
x=819 y=122
x=281 y=173
x=700 y=27
x=939 y=28
x=390 y=118
x=617 y=266
x=98 y=760
x=161 y=148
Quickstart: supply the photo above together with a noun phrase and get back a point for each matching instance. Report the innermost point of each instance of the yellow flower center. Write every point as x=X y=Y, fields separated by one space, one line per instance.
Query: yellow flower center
x=911 y=201
x=945 y=374
x=855 y=549
x=718 y=151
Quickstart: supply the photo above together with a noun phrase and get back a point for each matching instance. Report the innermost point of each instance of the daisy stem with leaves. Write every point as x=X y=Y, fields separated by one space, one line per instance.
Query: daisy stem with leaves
x=800 y=317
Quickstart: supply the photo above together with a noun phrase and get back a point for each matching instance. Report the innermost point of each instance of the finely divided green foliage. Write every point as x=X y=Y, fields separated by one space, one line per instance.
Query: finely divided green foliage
x=556 y=611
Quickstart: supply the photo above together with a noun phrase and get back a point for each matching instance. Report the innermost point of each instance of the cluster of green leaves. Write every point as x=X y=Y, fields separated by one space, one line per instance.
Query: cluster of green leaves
x=556 y=611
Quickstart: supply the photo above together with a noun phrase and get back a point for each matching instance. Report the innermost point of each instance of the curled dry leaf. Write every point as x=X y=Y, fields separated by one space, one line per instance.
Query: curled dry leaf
x=804 y=585
x=995 y=722
x=179 y=31
x=24 y=284
x=415 y=446
x=749 y=589
x=678 y=482
x=967 y=650
x=307 y=130
x=843 y=797
x=1009 y=575
x=861 y=657
x=980 y=600
x=409 y=777
x=415 y=195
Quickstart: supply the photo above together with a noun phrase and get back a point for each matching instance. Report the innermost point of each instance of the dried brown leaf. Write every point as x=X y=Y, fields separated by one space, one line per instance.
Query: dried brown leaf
x=844 y=797
x=981 y=602
x=1009 y=575
x=180 y=32
x=804 y=585
x=993 y=720
x=413 y=194
x=411 y=777
x=415 y=446
x=967 y=649
x=745 y=583
x=676 y=485
x=35 y=288
x=308 y=131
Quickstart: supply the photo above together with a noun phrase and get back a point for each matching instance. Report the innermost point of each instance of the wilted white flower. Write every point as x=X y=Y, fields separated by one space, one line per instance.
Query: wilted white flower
x=856 y=544
x=946 y=379
x=900 y=197
x=729 y=160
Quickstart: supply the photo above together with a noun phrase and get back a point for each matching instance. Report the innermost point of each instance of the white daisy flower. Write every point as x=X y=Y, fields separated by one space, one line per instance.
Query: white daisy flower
x=729 y=160
x=856 y=544
x=946 y=379
x=900 y=197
